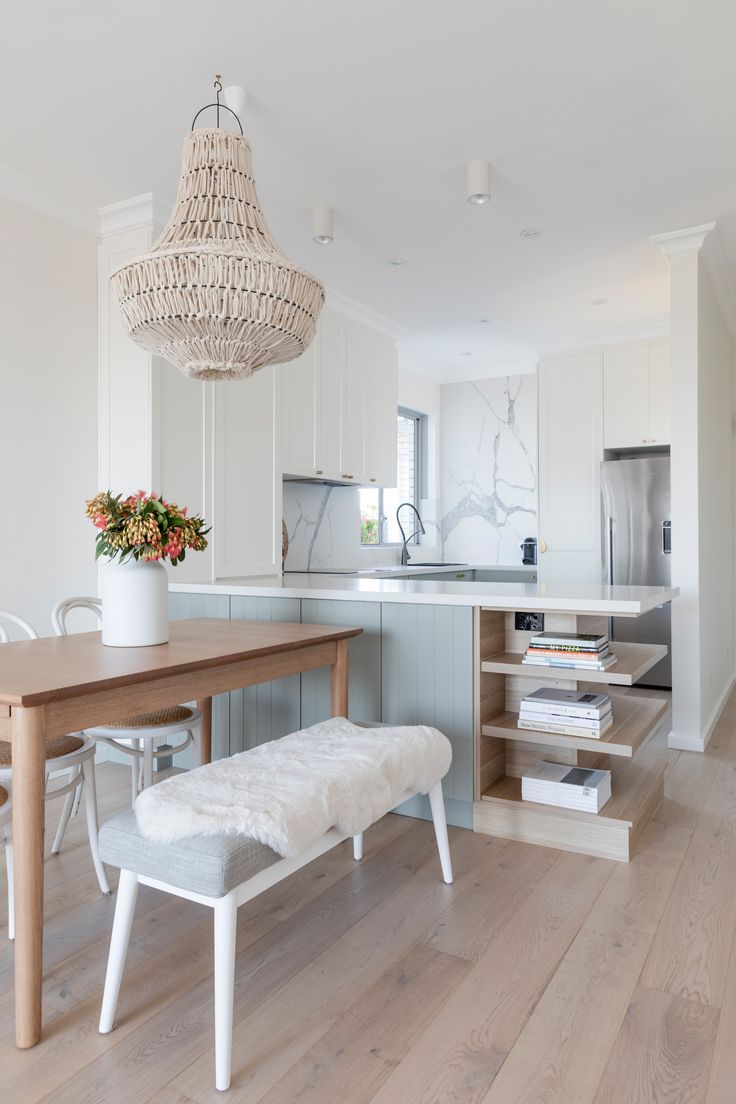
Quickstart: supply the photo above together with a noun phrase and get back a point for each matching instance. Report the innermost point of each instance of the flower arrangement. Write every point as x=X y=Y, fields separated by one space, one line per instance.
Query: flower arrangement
x=144 y=527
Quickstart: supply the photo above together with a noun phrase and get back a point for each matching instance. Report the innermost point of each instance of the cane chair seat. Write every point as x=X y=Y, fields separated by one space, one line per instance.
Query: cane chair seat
x=3 y=796
x=57 y=746
x=175 y=714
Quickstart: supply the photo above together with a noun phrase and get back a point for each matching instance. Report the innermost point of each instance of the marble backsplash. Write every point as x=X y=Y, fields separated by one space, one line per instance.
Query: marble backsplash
x=488 y=468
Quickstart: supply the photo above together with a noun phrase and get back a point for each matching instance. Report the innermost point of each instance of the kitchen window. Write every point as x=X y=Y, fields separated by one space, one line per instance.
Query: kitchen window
x=378 y=507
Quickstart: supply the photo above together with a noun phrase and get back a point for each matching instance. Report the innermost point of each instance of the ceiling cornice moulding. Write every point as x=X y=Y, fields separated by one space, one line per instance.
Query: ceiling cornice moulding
x=47 y=200
x=625 y=335
x=679 y=242
x=138 y=212
x=364 y=315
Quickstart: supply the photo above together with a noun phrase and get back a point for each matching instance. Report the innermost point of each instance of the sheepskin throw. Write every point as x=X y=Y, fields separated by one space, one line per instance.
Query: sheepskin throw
x=289 y=792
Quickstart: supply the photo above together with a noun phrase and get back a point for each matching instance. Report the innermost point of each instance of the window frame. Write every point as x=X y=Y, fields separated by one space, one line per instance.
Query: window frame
x=420 y=445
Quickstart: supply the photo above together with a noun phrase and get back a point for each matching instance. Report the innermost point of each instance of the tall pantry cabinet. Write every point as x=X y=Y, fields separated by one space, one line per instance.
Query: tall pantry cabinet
x=592 y=406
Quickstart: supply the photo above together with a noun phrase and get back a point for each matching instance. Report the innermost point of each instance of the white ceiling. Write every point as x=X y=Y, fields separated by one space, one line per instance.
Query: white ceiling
x=605 y=122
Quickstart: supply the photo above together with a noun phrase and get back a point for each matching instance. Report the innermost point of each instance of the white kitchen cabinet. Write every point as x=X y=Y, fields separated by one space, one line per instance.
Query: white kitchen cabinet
x=381 y=405
x=338 y=406
x=298 y=416
x=570 y=452
x=636 y=396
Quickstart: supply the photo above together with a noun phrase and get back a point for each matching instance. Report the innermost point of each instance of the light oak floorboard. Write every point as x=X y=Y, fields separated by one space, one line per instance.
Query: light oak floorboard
x=690 y=952
x=662 y=1053
x=562 y=1052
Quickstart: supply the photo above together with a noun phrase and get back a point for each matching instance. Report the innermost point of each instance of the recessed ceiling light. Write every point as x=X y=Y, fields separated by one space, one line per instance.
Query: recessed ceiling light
x=468 y=353
x=530 y=232
x=483 y=321
x=599 y=302
x=397 y=262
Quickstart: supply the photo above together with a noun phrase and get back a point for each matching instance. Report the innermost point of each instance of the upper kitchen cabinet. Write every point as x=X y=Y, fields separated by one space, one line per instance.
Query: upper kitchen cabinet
x=636 y=396
x=338 y=406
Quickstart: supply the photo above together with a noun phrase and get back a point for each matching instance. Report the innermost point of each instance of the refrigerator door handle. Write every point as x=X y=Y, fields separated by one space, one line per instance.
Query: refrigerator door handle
x=609 y=541
x=666 y=538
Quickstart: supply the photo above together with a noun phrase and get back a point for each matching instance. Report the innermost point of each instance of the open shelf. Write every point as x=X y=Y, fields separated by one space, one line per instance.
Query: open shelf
x=612 y=833
x=634 y=660
x=634 y=718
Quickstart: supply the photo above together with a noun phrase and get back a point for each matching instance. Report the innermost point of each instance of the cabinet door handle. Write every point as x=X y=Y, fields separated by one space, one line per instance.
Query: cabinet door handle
x=373 y=480
x=319 y=471
x=347 y=476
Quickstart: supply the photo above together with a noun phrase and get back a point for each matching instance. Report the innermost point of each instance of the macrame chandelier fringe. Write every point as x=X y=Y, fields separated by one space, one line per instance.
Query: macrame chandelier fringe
x=216 y=296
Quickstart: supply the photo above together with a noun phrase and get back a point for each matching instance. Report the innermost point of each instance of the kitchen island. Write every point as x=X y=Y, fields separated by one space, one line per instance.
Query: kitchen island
x=448 y=653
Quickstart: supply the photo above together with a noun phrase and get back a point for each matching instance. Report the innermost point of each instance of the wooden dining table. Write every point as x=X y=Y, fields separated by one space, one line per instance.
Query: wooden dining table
x=57 y=685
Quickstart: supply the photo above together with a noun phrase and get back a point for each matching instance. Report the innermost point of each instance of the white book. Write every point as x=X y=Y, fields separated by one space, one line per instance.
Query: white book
x=562 y=729
x=567 y=787
x=596 y=723
x=581 y=664
x=575 y=703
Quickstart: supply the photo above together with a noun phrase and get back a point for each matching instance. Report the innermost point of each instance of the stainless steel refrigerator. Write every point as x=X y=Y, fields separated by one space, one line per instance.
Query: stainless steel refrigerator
x=636 y=547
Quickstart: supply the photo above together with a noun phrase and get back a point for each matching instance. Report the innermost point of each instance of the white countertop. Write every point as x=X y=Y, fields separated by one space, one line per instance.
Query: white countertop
x=620 y=601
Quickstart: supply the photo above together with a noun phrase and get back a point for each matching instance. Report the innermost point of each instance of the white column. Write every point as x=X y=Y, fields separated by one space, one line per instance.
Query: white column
x=702 y=457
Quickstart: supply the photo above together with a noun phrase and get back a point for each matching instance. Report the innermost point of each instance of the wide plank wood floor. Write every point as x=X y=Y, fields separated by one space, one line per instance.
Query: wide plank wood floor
x=538 y=978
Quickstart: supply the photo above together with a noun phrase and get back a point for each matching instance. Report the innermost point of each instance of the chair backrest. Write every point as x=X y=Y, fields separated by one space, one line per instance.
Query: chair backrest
x=13 y=619
x=60 y=612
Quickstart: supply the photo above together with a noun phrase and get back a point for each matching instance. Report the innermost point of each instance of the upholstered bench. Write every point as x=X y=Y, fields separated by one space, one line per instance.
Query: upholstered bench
x=224 y=870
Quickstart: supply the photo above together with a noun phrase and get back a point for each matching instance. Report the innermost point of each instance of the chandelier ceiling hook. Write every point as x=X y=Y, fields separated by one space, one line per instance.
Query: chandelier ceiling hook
x=218 y=106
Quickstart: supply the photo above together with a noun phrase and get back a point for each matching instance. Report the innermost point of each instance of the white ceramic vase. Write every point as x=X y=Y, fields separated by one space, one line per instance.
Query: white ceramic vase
x=135 y=604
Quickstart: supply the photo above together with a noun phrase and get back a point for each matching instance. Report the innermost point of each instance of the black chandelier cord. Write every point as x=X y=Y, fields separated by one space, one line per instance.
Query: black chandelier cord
x=218 y=106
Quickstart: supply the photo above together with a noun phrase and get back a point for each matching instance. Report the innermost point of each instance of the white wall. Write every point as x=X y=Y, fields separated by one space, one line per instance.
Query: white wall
x=715 y=487
x=48 y=393
x=702 y=472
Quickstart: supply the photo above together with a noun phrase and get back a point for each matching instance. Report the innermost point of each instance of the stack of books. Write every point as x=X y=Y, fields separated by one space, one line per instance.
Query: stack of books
x=569 y=712
x=567 y=787
x=580 y=650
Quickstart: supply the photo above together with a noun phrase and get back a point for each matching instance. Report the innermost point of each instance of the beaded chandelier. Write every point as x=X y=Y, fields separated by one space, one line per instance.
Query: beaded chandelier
x=215 y=295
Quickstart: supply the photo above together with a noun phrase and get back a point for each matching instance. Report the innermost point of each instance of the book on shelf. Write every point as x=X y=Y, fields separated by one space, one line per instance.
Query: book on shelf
x=568 y=654
x=573 y=703
x=565 y=726
x=567 y=787
x=589 y=642
x=579 y=664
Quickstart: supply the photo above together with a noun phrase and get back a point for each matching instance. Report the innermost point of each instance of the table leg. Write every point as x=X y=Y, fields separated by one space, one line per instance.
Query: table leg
x=339 y=680
x=29 y=785
x=204 y=705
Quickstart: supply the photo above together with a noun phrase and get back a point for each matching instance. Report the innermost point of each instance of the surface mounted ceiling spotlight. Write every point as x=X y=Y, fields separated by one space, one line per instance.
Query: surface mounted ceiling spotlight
x=322 y=224
x=478 y=182
x=235 y=97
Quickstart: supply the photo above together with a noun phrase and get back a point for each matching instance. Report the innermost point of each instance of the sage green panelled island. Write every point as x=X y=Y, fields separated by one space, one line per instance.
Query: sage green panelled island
x=448 y=654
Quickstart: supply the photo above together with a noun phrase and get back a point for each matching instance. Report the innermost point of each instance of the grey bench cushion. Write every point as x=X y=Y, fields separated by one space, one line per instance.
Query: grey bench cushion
x=210 y=865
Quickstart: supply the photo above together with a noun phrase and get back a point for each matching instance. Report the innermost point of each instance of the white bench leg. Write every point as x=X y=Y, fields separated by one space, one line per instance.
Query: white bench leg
x=226 y=923
x=90 y=804
x=123 y=922
x=440 y=830
x=358 y=847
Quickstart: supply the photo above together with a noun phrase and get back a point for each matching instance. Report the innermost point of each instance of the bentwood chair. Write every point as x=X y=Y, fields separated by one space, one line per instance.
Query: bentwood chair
x=139 y=737
x=73 y=755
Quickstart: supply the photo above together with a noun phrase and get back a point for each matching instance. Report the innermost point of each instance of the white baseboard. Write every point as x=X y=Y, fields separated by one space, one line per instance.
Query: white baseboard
x=700 y=743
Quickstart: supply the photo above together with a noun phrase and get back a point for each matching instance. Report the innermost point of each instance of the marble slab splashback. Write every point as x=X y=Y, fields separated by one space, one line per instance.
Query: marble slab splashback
x=324 y=526
x=488 y=468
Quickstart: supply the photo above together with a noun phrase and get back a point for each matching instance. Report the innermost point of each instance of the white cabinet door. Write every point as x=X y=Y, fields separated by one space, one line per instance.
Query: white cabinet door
x=354 y=391
x=626 y=398
x=570 y=452
x=659 y=394
x=246 y=521
x=297 y=396
x=331 y=341
x=379 y=464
